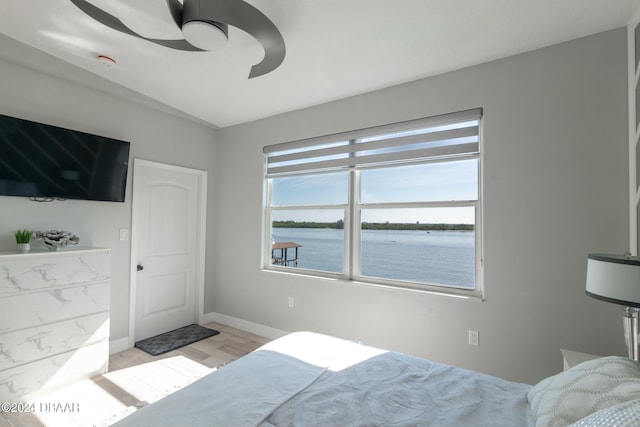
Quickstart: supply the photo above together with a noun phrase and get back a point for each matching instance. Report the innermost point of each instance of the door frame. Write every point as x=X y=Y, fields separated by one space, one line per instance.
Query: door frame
x=201 y=228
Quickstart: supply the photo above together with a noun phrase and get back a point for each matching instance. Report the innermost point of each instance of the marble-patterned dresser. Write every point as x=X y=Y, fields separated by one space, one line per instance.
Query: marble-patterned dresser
x=54 y=319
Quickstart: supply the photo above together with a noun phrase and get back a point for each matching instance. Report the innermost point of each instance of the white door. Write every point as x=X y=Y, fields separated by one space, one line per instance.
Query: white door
x=169 y=205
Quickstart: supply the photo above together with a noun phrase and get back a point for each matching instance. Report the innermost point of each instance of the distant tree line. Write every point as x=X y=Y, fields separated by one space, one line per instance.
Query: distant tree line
x=375 y=225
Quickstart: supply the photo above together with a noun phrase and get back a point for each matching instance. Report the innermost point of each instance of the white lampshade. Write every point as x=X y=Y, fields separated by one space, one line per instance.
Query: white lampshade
x=205 y=35
x=614 y=278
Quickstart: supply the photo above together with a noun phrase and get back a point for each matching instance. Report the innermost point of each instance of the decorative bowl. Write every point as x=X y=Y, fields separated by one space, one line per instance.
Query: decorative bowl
x=56 y=239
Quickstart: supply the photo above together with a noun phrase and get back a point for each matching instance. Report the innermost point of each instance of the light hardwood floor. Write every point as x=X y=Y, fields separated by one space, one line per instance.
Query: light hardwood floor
x=134 y=380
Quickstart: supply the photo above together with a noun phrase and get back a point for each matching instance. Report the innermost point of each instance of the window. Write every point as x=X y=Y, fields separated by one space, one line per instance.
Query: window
x=394 y=205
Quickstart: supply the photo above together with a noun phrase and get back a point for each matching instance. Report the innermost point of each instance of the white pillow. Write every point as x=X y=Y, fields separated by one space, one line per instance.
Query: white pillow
x=625 y=414
x=584 y=389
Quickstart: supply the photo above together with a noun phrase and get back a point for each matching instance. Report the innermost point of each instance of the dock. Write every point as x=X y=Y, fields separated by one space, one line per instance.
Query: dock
x=282 y=258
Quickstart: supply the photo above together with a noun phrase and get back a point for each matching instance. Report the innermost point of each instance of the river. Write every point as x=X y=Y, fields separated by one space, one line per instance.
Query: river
x=436 y=257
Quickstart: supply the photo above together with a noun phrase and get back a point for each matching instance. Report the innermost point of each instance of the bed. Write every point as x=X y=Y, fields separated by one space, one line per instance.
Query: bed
x=309 y=379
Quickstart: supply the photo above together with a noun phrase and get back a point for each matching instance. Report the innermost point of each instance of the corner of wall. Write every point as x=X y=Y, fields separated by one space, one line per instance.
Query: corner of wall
x=633 y=52
x=120 y=344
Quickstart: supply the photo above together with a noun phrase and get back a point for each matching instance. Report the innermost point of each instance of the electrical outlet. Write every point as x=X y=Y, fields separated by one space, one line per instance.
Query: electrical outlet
x=291 y=302
x=474 y=338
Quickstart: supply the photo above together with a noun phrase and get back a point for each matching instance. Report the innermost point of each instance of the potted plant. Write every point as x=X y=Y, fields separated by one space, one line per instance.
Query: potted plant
x=23 y=239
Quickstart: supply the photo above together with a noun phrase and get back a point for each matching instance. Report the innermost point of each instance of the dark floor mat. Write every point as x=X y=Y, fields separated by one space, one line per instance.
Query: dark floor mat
x=172 y=340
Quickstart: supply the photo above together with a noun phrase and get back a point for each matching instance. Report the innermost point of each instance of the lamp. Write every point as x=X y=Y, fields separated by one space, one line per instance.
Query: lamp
x=616 y=279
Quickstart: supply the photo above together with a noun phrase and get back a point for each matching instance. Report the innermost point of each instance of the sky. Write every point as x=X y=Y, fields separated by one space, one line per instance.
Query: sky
x=444 y=181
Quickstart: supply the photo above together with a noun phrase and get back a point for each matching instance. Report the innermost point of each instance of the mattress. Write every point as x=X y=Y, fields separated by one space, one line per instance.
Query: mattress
x=307 y=379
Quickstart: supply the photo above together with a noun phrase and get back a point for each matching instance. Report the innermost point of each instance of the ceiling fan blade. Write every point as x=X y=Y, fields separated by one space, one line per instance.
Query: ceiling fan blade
x=115 y=24
x=175 y=8
x=236 y=13
x=242 y=15
x=103 y=17
x=179 y=44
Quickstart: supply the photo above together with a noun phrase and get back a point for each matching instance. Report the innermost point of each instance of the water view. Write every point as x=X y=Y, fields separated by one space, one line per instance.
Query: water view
x=439 y=257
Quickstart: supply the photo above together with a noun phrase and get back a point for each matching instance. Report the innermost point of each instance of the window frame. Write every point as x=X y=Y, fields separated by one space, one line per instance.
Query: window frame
x=352 y=211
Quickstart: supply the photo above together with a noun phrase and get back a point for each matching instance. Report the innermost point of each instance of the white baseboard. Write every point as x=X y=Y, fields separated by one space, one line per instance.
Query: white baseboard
x=121 y=344
x=245 y=325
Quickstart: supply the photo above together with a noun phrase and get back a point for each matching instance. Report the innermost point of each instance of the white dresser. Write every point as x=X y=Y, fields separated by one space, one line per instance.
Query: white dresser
x=54 y=319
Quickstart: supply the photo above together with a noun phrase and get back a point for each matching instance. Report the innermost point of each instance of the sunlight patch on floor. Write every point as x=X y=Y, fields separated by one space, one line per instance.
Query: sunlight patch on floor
x=107 y=398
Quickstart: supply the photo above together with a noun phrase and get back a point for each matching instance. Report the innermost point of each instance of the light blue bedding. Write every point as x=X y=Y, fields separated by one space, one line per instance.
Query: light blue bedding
x=307 y=379
x=242 y=393
x=394 y=389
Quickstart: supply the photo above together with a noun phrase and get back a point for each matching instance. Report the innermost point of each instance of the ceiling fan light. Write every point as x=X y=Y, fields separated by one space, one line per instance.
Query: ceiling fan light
x=205 y=35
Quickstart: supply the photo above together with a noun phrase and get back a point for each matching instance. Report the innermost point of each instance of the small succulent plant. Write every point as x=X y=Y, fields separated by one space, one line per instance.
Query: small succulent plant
x=23 y=236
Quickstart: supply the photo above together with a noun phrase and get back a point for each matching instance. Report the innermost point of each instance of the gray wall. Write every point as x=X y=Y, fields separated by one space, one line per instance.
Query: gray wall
x=555 y=189
x=69 y=97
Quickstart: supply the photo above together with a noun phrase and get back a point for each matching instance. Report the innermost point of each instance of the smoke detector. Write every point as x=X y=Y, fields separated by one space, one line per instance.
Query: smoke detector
x=107 y=61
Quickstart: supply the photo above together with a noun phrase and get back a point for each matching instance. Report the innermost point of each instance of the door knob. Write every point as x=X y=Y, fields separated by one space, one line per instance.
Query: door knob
x=140 y=267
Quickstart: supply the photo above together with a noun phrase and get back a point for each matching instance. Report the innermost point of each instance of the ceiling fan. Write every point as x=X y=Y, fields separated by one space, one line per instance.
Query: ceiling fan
x=204 y=25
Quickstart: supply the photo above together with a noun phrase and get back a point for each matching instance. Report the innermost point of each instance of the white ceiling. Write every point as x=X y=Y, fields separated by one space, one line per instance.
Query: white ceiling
x=335 y=48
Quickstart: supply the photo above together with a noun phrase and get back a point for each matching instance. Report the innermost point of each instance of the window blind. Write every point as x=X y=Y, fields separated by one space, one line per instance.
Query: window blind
x=454 y=135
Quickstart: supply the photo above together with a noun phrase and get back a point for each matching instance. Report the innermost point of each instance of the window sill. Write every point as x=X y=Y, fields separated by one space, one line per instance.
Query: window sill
x=475 y=295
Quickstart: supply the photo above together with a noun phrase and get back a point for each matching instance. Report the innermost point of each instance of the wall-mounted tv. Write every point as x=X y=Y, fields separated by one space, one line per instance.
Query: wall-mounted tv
x=48 y=162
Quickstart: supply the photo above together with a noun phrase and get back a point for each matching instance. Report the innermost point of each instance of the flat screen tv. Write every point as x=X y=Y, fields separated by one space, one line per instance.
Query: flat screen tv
x=48 y=162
